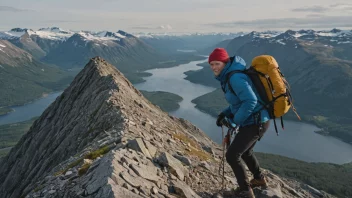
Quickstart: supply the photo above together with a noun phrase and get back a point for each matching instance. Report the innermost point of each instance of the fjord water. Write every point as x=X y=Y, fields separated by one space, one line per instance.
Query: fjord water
x=30 y=110
x=298 y=140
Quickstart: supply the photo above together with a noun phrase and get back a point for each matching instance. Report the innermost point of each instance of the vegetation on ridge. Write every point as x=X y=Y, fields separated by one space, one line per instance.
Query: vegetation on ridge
x=92 y=156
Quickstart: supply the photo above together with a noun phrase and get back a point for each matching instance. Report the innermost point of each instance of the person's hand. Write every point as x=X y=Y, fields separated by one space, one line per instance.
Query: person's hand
x=221 y=117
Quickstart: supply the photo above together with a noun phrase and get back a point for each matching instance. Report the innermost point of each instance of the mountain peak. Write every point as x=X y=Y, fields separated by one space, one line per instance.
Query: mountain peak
x=335 y=30
x=96 y=111
x=54 y=30
x=19 y=29
x=74 y=121
x=123 y=33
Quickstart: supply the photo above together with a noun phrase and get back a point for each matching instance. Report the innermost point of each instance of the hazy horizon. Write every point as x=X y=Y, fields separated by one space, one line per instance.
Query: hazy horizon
x=187 y=16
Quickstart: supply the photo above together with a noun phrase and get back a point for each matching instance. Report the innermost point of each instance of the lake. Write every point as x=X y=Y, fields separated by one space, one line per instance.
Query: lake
x=30 y=110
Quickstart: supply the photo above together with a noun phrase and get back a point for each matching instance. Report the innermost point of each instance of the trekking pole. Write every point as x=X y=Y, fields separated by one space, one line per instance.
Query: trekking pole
x=223 y=158
x=222 y=149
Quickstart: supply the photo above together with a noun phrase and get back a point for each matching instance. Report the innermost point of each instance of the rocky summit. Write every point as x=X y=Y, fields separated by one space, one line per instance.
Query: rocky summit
x=102 y=138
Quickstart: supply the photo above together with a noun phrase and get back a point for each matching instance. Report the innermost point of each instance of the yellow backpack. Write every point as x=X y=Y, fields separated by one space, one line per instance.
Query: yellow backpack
x=271 y=85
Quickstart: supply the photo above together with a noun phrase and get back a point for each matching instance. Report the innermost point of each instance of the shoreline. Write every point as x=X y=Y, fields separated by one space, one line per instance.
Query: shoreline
x=44 y=95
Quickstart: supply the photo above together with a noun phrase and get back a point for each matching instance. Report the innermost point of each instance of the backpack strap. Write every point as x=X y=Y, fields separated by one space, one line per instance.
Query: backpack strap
x=227 y=81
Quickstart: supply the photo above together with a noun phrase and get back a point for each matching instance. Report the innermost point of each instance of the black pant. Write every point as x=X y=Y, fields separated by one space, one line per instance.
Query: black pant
x=242 y=147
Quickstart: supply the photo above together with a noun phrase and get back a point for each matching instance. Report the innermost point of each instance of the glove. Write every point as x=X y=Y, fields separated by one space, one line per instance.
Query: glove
x=221 y=116
x=228 y=123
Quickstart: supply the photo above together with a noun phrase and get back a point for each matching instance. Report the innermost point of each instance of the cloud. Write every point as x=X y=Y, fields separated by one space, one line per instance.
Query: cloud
x=11 y=9
x=161 y=27
x=321 y=9
x=167 y=27
x=284 y=23
x=143 y=28
x=342 y=6
x=315 y=15
x=63 y=21
x=311 y=9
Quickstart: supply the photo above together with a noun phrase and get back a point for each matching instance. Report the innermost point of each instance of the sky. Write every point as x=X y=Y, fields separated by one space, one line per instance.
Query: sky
x=184 y=16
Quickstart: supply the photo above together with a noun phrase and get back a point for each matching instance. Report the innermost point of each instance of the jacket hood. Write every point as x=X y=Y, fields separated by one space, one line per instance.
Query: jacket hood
x=237 y=64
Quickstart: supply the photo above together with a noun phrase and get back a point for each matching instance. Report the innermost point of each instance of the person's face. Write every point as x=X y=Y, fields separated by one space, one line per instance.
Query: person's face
x=217 y=67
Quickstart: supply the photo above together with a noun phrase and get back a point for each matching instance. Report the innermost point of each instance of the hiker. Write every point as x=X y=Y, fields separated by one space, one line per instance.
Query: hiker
x=245 y=112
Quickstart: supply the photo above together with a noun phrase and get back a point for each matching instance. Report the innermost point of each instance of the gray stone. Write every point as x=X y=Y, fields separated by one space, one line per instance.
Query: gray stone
x=314 y=191
x=160 y=173
x=144 y=190
x=205 y=165
x=120 y=145
x=173 y=177
x=147 y=172
x=174 y=165
x=101 y=174
x=183 y=190
x=230 y=179
x=128 y=161
x=152 y=149
x=171 y=141
x=127 y=186
x=183 y=159
x=136 y=182
x=138 y=145
x=135 y=191
x=154 y=190
x=117 y=179
x=119 y=191
x=52 y=192
x=270 y=192
x=208 y=149
x=68 y=173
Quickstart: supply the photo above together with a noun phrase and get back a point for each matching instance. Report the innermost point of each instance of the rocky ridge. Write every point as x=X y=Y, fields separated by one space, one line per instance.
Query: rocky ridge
x=102 y=138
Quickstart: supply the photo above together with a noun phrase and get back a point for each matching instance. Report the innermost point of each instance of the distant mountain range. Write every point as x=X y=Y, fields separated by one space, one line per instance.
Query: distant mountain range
x=67 y=51
x=23 y=77
x=71 y=49
x=170 y=43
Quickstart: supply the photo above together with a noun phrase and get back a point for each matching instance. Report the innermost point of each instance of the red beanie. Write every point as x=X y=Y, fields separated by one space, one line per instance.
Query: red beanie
x=219 y=54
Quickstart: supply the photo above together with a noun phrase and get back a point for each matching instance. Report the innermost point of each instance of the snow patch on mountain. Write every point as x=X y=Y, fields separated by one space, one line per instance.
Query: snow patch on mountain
x=56 y=33
x=11 y=34
x=330 y=38
x=182 y=34
x=102 y=36
x=2 y=46
x=280 y=42
x=266 y=34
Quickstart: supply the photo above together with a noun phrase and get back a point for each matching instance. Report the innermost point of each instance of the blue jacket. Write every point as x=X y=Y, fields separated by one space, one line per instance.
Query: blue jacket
x=245 y=102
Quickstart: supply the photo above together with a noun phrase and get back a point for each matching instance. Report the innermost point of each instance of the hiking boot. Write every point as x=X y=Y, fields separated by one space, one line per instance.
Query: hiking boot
x=258 y=183
x=244 y=193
